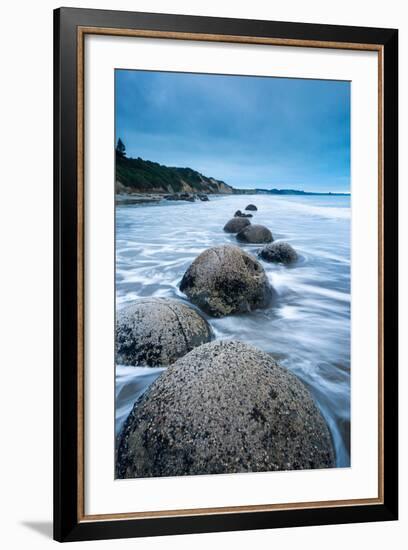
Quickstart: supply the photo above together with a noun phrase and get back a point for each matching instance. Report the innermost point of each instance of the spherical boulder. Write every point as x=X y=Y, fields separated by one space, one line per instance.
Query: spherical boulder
x=157 y=331
x=226 y=407
x=251 y=207
x=278 y=252
x=224 y=280
x=234 y=225
x=255 y=234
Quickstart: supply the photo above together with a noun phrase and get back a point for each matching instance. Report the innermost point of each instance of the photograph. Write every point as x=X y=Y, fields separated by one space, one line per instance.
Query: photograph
x=232 y=199
x=225 y=273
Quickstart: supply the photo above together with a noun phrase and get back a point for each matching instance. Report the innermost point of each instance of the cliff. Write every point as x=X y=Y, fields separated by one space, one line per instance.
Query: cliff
x=143 y=176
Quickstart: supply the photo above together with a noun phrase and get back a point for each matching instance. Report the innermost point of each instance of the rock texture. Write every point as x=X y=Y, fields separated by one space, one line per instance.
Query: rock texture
x=255 y=234
x=224 y=280
x=251 y=207
x=157 y=331
x=234 y=225
x=226 y=407
x=279 y=252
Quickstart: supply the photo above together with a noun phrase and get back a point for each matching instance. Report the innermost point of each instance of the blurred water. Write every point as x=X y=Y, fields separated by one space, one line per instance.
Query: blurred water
x=307 y=329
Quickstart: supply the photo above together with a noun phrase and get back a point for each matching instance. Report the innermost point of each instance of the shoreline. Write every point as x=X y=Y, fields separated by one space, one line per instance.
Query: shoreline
x=135 y=198
x=132 y=198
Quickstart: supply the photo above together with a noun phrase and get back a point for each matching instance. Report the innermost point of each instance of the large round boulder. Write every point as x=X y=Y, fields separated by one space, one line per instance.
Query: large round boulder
x=251 y=207
x=226 y=407
x=157 y=331
x=278 y=252
x=224 y=280
x=255 y=234
x=234 y=225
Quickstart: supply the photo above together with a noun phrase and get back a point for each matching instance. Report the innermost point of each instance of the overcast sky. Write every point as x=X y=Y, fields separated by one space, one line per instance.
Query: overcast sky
x=248 y=131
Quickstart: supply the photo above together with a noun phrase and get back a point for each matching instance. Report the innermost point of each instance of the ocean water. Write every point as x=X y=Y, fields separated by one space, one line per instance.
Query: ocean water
x=307 y=329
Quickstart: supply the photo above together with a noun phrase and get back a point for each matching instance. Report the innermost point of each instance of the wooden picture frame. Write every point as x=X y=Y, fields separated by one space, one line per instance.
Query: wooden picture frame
x=70 y=27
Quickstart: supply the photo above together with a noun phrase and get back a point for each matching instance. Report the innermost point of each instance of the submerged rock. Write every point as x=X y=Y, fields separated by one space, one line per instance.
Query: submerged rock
x=255 y=234
x=187 y=197
x=180 y=197
x=234 y=225
x=226 y=407
x=224 y=280
x=278 y=252
x=251 y=207
x=239 y=214
x=203 y=197
x=157 y=331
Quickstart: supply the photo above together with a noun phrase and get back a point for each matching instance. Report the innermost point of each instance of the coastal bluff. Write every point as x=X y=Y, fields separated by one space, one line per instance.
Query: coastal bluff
x=135 y=175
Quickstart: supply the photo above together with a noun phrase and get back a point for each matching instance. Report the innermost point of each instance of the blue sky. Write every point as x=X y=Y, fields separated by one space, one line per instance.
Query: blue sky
x=248 y=131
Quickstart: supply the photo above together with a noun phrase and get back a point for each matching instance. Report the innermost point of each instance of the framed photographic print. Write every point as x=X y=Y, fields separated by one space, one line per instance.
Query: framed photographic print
x=225 y=274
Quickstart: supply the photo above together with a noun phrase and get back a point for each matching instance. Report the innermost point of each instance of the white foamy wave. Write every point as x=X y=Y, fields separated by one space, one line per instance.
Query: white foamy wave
x=131 y=383
x=343 y=213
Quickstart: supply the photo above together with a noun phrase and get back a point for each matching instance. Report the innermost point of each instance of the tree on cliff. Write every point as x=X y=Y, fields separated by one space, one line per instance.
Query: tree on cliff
x=120 y=149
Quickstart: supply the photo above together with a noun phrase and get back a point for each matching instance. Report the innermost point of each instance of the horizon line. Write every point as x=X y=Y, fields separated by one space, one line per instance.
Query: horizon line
x=273 y=186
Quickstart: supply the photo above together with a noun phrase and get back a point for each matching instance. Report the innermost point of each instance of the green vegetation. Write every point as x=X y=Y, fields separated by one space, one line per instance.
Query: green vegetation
x=120 y=149
x=143 y=176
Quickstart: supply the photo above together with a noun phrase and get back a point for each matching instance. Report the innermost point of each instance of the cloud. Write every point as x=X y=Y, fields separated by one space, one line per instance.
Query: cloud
x=248 y=131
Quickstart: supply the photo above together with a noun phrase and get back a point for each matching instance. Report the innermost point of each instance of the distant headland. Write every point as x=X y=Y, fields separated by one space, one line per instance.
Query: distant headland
x=287 y=192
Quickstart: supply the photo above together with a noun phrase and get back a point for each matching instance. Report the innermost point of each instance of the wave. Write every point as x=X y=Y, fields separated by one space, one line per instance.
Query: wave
x=131 y=383
x=335 y=212
x=308 y=326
